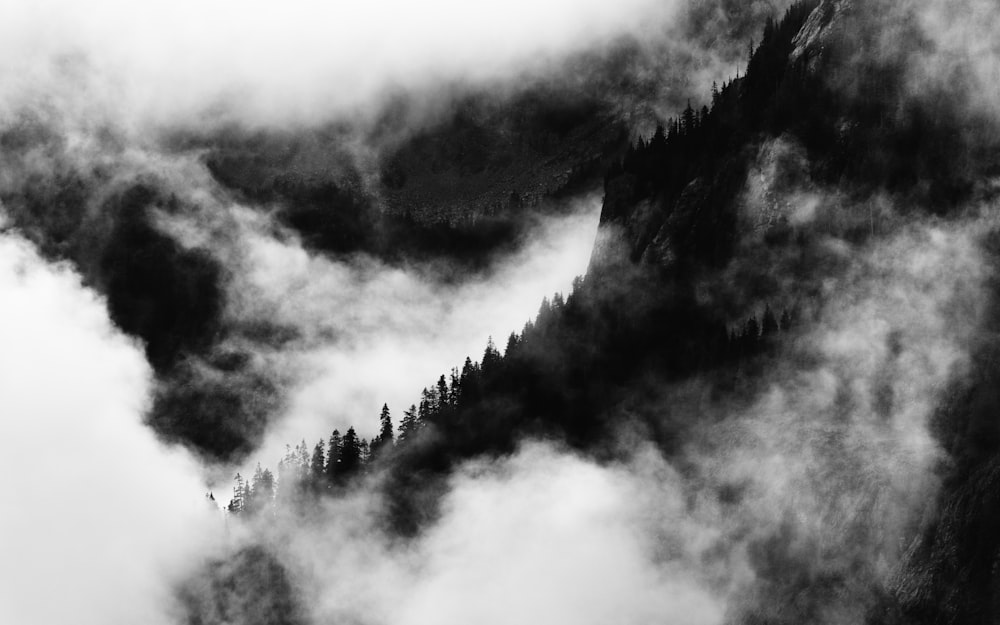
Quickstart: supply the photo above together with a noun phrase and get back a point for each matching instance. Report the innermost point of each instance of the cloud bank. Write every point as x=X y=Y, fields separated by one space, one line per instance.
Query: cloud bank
x=302 y=59
x=101 y=519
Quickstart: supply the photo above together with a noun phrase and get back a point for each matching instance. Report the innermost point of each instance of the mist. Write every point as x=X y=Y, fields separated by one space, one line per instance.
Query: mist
x=792 y=483
x=302 y=61
x=391 y=332
x=822 y=473
x=102 y=519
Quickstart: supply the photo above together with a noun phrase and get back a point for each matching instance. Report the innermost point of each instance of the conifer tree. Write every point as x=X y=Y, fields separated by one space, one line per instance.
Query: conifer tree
x=385 y=435
x=333 y=457
x=442 y=394
x=318 y=463
x=491 y=357
x=408 y=424
x=238 y=503
x=511 y=345
x=350 y=453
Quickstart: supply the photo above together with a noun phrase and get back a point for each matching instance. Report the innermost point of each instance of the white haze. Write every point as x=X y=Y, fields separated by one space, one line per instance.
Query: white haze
x=375 y=334
x=99 y=519
x=542 y=536
x=300 y=60
x=834 y=480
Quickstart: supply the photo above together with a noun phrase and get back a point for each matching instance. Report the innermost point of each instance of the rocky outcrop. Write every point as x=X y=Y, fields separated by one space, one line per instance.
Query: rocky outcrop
x=819 y=30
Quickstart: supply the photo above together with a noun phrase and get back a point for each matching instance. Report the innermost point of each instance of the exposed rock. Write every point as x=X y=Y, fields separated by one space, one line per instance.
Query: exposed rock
x=818 y=31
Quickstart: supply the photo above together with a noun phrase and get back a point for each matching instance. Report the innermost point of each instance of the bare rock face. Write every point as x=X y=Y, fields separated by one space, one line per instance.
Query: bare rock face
x=820 y=29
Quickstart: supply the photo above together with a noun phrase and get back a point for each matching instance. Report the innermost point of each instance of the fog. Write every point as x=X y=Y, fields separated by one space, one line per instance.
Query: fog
x=819 y=466
x=373 y=334
x=263 y=62
x=820 y=474
x=101 y=520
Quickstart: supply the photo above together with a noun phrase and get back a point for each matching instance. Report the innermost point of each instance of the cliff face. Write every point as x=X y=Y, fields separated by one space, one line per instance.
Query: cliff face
x=830 y=139
x=682 y=196
x=821 y=27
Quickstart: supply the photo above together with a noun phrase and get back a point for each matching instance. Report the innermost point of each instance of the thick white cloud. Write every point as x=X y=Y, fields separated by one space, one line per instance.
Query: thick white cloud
x=372 y=333
x=541 y=536
x=99 y=518
x=267 y=60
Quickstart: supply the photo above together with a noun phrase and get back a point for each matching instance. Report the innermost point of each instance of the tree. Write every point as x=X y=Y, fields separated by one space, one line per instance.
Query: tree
x=455 y=388
x=443 y=395
x=408 y=425
x=491 y=357
x=512 y=341
x=318 y=464
x=333 y=457
x=426 y=411
x=384 y=440
x=687 y=120
x=261 y=492
x=350 y=453
x=238 y=503
x=768 y=323
x=364 y=451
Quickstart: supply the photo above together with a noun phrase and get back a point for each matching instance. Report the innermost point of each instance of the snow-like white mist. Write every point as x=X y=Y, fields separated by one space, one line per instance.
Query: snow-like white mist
x=828 y=470
x=267 y=62
x=100 y=519
x=377 y=334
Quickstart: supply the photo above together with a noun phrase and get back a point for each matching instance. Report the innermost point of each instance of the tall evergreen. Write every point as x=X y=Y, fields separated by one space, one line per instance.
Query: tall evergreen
x=318 y=464
x=333 y=457
x=408 y=424
x=238 y=503
x=385 y=435
x=350 y=454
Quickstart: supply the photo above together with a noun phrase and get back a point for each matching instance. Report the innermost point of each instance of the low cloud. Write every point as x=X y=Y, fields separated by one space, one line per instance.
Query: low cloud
x=302 y=60
x=102 y=519
x=542 y=535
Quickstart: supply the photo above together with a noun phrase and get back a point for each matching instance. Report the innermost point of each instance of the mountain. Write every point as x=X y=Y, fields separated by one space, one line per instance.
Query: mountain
x=763 y=204
x=771 y=399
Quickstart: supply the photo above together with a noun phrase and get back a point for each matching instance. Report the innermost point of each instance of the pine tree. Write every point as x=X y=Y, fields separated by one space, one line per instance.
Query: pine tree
x=427 y=404
x=350 y=454
x=333 y=457
x=455 y=387
x=408 y=425
x=687 y=123
x=385 y=423
x=491 y=357
x=442 y=394
x=384 y=440
x=237 y=504
x=303 y=459
x=512 y=341
x=318 y=464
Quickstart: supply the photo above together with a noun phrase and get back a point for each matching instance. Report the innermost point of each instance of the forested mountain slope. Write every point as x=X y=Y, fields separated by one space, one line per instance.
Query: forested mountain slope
x=731 y=240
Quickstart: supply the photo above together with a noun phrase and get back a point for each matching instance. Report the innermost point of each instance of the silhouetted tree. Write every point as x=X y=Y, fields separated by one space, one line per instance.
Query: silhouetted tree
x=350 y=454
x=408 y=424
x=333 y=457
x=384 y=439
